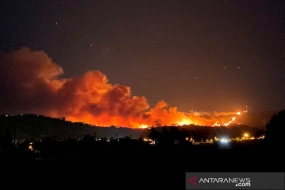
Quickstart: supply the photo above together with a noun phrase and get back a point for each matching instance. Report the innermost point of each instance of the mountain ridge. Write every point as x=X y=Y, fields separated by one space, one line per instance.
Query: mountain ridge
x=35 y=126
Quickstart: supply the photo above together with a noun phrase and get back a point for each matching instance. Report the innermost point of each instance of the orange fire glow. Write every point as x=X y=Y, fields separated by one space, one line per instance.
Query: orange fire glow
x=90 y=98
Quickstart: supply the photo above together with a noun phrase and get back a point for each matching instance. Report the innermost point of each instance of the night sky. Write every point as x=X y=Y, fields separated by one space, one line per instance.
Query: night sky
x=196 y=55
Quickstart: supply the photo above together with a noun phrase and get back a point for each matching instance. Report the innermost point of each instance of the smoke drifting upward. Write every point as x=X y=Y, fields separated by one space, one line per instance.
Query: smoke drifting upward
x=31 y=83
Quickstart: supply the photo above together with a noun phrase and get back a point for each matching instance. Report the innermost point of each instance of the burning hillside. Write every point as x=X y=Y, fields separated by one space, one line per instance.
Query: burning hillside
x=31 y=83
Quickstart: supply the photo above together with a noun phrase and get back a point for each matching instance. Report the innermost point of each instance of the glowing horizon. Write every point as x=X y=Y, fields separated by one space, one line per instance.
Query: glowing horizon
x=184 y=122
x=90 y=98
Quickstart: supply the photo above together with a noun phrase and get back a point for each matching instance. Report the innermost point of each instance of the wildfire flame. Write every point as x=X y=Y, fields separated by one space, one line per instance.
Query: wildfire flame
x=36 y=86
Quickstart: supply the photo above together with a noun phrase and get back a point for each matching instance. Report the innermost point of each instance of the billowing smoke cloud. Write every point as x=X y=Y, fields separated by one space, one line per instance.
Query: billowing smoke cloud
x=31 y=83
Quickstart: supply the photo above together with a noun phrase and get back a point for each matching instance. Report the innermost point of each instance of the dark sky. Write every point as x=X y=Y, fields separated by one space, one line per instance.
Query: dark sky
x=196 y=55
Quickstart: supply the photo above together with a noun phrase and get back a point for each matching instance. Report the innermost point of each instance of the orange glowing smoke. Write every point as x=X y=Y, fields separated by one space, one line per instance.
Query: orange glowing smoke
x=31 y=83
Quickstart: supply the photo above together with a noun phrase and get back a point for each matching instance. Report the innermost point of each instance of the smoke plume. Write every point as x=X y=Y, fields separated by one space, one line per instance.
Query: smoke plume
x=32 y=83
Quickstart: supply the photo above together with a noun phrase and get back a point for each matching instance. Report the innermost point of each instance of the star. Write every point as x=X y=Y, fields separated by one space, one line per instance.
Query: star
x=55 y=23
x=91 y=45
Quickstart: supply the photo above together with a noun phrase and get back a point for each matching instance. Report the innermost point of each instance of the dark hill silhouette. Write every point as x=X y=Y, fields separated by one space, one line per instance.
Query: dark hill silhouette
x=31 y=126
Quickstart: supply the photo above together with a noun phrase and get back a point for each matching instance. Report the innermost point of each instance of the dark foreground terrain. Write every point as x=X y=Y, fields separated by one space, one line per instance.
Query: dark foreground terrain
x=127 y=163
x=238 y=156
x=131 y=164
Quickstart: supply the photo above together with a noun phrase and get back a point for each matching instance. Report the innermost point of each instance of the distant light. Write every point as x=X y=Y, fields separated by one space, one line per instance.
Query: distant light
x=224 y=140
x=31 y=147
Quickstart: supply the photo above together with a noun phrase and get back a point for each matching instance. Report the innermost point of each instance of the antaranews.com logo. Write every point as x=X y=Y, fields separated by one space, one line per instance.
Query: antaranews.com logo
x=234 y=180
x=239 y=182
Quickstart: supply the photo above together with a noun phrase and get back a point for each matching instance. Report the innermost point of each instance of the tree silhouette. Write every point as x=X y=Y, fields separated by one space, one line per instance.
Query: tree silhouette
x=168 y=136
x=6 y=140
x=275 y=129
x=153 y=134
x=8 y=136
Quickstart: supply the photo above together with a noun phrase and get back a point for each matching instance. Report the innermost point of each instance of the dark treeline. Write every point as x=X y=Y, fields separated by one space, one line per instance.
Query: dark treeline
x=92 y=147
x=161 y=144
x=203 y=133
x=169 y=151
